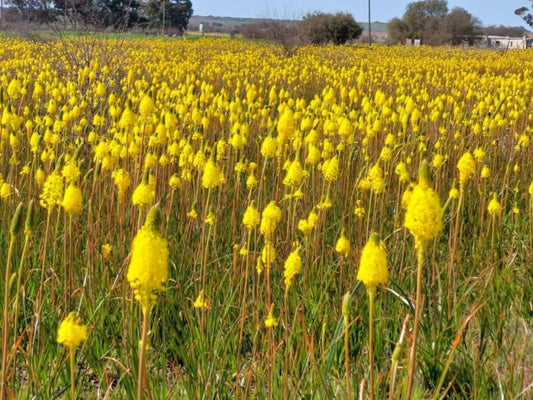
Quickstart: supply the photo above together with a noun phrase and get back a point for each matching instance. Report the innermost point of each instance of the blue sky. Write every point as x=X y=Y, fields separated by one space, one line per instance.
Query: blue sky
x=490 y=12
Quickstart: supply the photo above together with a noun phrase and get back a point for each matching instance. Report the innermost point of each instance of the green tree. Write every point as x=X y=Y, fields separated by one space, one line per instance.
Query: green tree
x=459 y=26
x=169 y=13
x=525 y=14
x=397 y=31
x=320 y=28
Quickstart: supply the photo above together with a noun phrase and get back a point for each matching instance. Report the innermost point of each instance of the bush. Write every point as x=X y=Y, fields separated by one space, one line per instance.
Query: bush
x=321 y=28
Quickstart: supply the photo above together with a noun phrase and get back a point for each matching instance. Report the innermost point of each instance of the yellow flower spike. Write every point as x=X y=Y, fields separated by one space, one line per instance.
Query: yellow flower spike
x=466 y=167
x=359 y=210
x=148 y=267
x=52 y=193
x=423 y=217
x=343 y=245
x=202 y=302
x=251 y=217
x=330 y=169
x=143 y=195
x=73 y=200
x=71 y=331
x=494 y=208
x=271 y=320
x=485 y=172
x=270 y=217
x=106 y=251
x=212 y=176
x=293 y=266
x=295 y=174
x=5 y=190
x=373 y=265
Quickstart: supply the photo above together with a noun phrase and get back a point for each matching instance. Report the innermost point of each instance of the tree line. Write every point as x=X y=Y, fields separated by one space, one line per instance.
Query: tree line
x=115 y=14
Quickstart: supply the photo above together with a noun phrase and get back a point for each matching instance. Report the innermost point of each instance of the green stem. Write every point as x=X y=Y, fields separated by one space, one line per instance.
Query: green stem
x=412 y=356
x=371 y=295
x=347 y=357
x=72 y=351
x=5 y=324
x=142 y=352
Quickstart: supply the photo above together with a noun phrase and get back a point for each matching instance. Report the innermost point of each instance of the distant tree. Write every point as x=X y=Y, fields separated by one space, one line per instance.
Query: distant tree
x=41 y=11
x=525 y=14
x=397 y=31
x=459 y=26
x=176 y=13
x=288 y=35
x=320 y=28
x=422 y=17
x=430 y=21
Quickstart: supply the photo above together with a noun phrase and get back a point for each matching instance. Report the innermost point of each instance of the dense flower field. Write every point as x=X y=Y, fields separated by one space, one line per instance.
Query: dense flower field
x=211 y=219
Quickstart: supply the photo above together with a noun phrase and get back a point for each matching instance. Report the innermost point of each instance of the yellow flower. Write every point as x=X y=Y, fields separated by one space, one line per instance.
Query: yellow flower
x=210 y=219
x=485 y=172
x=424 y=213
x=343 y=245
x=373 y=265
x=202 y=302
x=70 y=172
x=251 y=217
x=295 y=174
x=122 y=182
x=293 y=266
x=71 y=332
x=271 y=321
x=307 y=225
x=375 y=176
x=359 y=210
x=5 y=190
x=148 y=269
x=270 y=218
x=212 y=176
x=494 y=208
x=530 y=190
x=40 y=177
x=401 y=171
x=174 y=181
x=143 y=195
x=251 y=181
x=330 y=169
x=73 y=200
x=268 y=254
x=438 y=160
x=192 y=213
x=479 y=154
x=106 y=251
x=466 y=167
x=269 y=147
x=286 y=125
x=454 y=192
x=52 y=193
x=146 y=107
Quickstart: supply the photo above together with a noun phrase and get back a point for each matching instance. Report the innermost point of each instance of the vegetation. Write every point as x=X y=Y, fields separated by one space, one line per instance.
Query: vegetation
x=316 y=28
x=430 y=21
x=200 y=219
x=114 y=14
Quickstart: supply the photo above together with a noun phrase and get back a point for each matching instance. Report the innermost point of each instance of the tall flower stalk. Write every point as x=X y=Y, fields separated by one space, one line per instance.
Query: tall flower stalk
x=372 y=272
x=423 y=219
x=147 y=273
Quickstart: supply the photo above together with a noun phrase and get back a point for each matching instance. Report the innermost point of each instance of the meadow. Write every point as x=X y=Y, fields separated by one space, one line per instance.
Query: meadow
x=261 y=179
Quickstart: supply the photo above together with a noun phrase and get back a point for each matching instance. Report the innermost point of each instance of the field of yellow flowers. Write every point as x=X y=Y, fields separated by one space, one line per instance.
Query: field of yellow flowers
x=186 y=219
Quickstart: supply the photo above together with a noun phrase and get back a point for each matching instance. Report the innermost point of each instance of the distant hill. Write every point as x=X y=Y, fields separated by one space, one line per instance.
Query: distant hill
x=229 y=24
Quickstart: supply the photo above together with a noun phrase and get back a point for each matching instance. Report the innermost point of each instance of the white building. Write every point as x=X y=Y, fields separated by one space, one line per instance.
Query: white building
x=506 y=42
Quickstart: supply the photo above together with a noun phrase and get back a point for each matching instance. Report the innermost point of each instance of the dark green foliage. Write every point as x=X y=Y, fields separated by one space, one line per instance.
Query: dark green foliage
x=321 y=28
